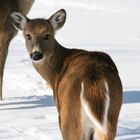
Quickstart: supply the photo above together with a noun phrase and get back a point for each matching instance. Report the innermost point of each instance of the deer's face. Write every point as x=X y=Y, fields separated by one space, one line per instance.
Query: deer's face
x=39 y=37
x=39 y=33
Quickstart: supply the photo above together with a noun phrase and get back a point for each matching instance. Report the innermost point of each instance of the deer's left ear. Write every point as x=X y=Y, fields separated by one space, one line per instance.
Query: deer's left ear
x=19 y=20
x=58 y=19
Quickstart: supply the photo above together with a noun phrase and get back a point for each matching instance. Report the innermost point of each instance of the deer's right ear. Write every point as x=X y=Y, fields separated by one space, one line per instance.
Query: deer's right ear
x=18 y=20
x=58 y=19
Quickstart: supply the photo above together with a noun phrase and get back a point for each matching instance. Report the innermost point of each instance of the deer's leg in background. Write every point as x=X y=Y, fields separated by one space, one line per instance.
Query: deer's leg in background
x=5 y=38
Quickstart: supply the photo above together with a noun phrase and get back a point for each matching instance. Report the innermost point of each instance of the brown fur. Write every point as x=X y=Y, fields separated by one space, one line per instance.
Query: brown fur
x=64 y=70
x=7 y=31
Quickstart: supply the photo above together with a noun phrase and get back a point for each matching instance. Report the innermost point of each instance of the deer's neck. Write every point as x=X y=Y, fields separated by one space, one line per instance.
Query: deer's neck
x=50 y=67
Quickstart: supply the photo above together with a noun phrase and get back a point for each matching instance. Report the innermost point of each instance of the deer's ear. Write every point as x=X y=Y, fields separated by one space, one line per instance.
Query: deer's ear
x=58 y=19
x=18 y=20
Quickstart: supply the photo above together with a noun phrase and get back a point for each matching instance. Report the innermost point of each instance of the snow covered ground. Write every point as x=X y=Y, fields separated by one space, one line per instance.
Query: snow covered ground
x=28 y=111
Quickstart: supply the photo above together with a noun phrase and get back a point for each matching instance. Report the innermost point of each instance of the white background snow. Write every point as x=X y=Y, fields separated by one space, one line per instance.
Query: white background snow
x=28 y=111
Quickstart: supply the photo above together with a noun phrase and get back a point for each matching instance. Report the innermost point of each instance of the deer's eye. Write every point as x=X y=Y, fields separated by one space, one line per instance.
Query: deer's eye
x=46 y=37
x=28 y=36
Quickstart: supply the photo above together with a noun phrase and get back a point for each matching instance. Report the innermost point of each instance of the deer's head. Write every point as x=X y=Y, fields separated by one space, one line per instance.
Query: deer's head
x=39 y=33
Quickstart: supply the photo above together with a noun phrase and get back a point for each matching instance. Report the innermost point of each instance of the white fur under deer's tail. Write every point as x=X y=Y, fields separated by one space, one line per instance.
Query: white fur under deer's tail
x=87 y=109
x=90 y=117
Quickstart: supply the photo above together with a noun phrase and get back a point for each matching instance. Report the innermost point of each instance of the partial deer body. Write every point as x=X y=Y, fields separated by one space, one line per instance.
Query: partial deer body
x=86 y=85
x=7 y=32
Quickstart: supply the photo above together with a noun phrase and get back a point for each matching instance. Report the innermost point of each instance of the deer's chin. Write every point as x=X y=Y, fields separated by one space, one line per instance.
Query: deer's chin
x=37 y=61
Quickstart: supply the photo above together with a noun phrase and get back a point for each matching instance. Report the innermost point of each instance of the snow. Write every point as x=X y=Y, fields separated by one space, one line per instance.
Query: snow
x=28 y=110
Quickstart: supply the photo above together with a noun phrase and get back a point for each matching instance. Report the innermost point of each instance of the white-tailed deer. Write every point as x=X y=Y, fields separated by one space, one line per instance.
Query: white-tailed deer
x=7 y=32
x=86 y=85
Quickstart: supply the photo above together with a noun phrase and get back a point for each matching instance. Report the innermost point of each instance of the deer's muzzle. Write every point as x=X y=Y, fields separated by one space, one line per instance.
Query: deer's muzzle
x=36 y=56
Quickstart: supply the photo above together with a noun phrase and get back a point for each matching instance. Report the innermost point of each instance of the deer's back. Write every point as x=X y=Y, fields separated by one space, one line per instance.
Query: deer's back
x=90 y=68
x=95 y=71
x=83 y=64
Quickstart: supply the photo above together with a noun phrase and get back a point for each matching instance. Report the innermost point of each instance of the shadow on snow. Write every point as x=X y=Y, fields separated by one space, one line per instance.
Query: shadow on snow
x=47 y=101
x=131 y=97
x=27 y=102
x=128 y=133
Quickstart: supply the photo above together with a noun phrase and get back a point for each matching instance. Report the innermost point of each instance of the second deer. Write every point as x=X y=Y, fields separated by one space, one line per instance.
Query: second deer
x=7 y=31
x=86 y=85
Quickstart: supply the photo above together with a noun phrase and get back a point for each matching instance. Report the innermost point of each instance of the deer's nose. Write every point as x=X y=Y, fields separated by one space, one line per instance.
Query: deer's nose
x=36 y=56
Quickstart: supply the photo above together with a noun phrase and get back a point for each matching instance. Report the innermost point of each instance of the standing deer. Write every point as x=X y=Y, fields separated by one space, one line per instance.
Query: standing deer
x=7 y=32
x=86 y=85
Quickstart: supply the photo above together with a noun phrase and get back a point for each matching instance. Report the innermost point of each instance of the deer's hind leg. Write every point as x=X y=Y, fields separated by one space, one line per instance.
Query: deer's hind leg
x=70 y=121
x=69 y=108
x=99 y=135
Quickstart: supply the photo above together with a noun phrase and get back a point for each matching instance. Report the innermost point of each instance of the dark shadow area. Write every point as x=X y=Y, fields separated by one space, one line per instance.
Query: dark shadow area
x=131 y=97
x=27 y=102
